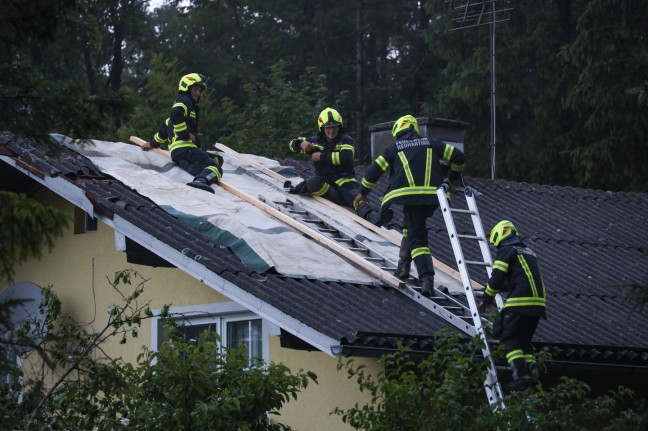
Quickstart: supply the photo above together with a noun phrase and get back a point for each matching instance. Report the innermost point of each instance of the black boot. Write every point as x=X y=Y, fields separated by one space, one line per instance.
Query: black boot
x=378 y=218
x=427 y=285
x=202 y=184
x=521 y=376
x=403 y=269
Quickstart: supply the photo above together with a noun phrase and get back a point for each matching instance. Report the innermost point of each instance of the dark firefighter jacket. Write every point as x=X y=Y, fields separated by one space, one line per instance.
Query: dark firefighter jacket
x=415 y=170
x=336 y=160
x=183 y=120
x=516 y=270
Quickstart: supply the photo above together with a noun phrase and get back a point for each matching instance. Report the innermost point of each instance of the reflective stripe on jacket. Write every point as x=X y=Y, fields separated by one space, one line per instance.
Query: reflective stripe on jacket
x=516 y=270
x=336 y=163
x=414 y=165
x=183 y=121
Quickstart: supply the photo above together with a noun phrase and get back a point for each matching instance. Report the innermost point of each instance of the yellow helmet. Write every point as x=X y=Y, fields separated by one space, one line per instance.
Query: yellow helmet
x=501 y=231
x=404 y=123
x=190 y=80
x=329 y=117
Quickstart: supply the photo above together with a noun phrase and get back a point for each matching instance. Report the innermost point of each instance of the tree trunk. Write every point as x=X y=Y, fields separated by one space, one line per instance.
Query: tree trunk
x=359 y=102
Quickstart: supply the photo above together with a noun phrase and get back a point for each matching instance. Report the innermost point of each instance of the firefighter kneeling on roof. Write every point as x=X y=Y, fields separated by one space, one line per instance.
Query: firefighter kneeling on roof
x=181 y=129
x=332 y=152
x=516 y=270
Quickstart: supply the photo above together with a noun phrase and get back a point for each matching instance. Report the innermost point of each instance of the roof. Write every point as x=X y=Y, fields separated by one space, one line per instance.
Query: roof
x=589 y=243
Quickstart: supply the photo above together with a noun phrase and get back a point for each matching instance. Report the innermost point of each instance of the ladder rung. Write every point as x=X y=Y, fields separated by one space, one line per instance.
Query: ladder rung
x=325 y=229
x=479 y=238
x=474 y=262
x=343 y=240
x=458 y=210
x=298 y=211
x=374 y=259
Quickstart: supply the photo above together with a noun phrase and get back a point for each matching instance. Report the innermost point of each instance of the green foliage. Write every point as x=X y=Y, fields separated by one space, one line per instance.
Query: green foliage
x=27 y=228
x=195 y=385
x=277 y=110
x=186 y=385
x=445 y=391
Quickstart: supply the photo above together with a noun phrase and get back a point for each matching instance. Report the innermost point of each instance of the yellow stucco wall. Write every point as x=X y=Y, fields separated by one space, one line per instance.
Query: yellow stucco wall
x=78 y=269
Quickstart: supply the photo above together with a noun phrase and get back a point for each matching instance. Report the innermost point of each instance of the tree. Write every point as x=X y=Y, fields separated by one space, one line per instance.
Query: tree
x=26 y=228
x=187 y=384
x=445 y=391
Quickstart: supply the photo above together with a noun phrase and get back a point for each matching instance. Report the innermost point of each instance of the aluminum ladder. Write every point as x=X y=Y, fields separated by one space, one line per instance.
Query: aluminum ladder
x=491 y=384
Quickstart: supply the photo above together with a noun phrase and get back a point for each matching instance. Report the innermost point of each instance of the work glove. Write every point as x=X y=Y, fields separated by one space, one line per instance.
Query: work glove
x=295 y=144
x=299 y=189
x=153 y=143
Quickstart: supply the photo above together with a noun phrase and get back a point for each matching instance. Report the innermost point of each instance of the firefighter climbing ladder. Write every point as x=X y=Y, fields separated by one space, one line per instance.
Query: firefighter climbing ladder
x=492 y=386
x=445 y=306
x=344 y=244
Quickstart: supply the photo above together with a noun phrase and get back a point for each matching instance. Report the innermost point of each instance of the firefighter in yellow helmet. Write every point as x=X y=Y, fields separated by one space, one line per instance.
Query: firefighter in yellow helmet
x=415 y=173
x=516 y=271
x=332 y=152
x=180 y=130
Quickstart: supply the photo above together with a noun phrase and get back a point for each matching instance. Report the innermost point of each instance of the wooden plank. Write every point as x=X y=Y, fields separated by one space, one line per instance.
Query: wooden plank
x=318 y=237
x=313 y=234
x=340 y=209
x=382 y=232
x=140 y=142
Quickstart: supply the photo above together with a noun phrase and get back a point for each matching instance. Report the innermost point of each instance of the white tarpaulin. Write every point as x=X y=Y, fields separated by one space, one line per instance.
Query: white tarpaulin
x=245 y=226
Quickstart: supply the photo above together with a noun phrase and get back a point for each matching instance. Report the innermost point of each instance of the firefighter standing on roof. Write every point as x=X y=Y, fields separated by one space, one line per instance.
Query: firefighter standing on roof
x=332 y=152
x=415 y=175
x=182 y=131
x=516 y=270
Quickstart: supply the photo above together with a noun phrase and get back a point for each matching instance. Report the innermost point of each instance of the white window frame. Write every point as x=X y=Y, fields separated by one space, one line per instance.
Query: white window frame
x=219 y=313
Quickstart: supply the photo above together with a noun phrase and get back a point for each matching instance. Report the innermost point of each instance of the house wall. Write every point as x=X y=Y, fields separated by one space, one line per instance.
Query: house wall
x=79 y=267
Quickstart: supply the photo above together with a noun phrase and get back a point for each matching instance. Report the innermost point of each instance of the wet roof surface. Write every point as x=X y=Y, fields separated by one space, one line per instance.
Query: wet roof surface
x=591 y=245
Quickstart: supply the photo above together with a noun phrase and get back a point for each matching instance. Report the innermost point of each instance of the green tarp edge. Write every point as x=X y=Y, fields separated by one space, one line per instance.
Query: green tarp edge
x=238 y=246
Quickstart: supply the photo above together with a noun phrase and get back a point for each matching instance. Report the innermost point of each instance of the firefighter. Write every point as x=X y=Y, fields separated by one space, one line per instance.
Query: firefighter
x=332 y=152
x=415 y=171
x=181 y=130
x=516 y=271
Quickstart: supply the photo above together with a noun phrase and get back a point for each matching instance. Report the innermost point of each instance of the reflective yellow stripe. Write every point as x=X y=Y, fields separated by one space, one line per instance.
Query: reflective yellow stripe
x=513 y=355
x=345 y=147
x=181 y=144
x=335 y=158
x=342 y=181
x=406 y=169
x=490 y=291
x=501 y=265
x=447 y=152
x=428 y=167
x=525 y=302
x=384 y=165
x=421 y=251
x=368 y=185
x=215 y=170
x=457 y=168
x=529 y=358
x=181 y=105
x=180 y=127
x=322 y=191
x=407 y=191
x=529 y=274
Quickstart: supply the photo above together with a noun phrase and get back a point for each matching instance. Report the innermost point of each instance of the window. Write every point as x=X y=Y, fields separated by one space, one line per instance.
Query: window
x=234 y=324
x=83 y=222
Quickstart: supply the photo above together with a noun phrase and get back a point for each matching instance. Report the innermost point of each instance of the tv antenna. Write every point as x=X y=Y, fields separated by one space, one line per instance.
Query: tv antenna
x=469 y=14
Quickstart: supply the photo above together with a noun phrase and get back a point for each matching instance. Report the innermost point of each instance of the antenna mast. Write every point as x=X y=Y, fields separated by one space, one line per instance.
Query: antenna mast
x=469 y=14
